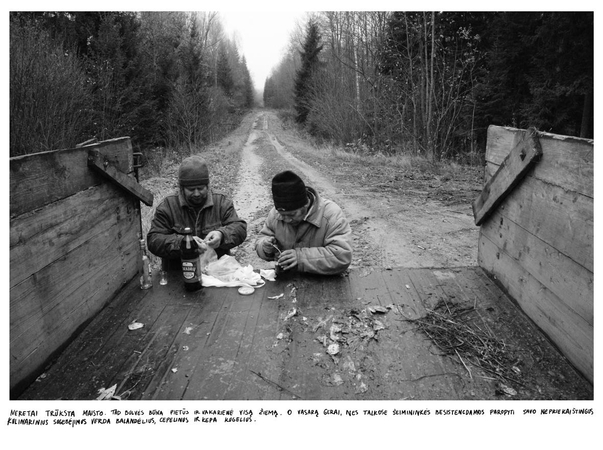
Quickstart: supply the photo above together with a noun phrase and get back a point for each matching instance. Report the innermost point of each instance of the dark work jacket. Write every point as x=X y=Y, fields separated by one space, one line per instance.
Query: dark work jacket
x=174 y=214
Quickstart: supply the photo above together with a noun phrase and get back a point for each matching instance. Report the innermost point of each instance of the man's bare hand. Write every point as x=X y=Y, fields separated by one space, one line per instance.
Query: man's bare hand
x=213 y=239
x=288 y=259
x=269 y=246
x=200 y=243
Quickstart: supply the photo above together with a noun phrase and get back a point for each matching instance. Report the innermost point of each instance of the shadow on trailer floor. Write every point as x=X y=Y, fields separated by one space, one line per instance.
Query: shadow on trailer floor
x=401 y=334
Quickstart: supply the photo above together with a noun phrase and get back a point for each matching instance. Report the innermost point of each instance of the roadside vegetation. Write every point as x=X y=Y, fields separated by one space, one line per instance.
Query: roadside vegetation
x=430 y=83
x=172 y=81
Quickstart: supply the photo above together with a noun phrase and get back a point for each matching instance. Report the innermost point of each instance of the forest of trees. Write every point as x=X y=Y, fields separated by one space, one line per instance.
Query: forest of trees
x=430 y=83
x=417 y=83
x=166 y=79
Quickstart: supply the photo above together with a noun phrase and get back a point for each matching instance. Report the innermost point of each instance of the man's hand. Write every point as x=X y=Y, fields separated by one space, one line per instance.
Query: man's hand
x=288 y=259
x=213 y=239
x=200 y=243
x=268 y=246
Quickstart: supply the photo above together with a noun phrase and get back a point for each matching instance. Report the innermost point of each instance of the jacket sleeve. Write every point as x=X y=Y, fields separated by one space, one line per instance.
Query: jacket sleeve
x=162 y=241
x=266 y=233
x=336 y=254
x=233 y=229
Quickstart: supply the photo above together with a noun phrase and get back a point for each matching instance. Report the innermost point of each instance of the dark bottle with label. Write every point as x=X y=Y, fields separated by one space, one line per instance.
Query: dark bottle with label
x=189 y=254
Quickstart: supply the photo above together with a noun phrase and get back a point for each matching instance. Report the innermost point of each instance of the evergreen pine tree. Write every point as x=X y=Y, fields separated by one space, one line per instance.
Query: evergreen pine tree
x=247 y=85
x=224 y=73
x=269 y=93
x=309 y=63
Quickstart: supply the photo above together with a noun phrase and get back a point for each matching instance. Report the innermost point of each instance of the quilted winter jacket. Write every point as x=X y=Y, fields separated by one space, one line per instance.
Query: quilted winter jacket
x=173 y=215
x=322 y=241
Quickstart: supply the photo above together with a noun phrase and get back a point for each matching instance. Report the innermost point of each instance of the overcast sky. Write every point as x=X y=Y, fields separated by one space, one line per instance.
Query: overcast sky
x=261 y=36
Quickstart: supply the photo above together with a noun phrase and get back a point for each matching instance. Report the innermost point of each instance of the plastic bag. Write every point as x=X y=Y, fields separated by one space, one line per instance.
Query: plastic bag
x=227 y=271
x=206 y=258
x=223 y=268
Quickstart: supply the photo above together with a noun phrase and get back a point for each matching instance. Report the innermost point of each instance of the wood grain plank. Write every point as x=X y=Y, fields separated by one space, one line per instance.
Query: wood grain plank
x=169 y=385
x=97 y=162
x=374 y=360
x=35 y=336
x=567 y=162
x=241 y=373
x=39 y=179
x=54 y=231
x=224 y=345
x=78 y=357
x=559 y=218
x=462 y=287
x=537 y=359
x=445 y=378
x=242 y=376
x=406 y=366
x=122 y=344
x=214 y=357
x=404 y=293
x=190 y=339
x=406 y=348
x=568 y=330
x=92 y=368
x=262 y=356
x=309 y=370
x=400 y=364
x=68 y=258
x=85 y=277
x=513 y=168
x=148 y=355
x=568 y=280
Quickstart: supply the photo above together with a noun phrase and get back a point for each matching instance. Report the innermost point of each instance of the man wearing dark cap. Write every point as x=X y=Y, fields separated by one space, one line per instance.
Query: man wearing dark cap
x=210 y=215
x=304 y=232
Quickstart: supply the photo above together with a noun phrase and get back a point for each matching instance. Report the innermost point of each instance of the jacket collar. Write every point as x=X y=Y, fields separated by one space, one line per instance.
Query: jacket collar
x=316 y=211
x=209 y=201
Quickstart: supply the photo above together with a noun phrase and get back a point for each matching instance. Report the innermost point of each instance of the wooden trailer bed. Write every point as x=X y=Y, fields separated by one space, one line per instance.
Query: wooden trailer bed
x=281 y=343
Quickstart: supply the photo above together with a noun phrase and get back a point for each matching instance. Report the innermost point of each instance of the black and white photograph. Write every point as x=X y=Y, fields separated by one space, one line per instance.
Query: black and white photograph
x=255 y=223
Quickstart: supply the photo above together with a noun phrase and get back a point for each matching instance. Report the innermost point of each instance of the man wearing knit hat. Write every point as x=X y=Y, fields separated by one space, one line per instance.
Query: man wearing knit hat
x=304 y=232
x=210 y=215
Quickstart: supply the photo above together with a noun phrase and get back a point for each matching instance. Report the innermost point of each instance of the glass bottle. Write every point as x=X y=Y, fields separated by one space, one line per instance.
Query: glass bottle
x=146 y=280
x=189 y=255
x=163 y=272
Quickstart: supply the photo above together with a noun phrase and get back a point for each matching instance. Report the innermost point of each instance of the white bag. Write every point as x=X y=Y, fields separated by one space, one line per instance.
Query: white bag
x=227 y=271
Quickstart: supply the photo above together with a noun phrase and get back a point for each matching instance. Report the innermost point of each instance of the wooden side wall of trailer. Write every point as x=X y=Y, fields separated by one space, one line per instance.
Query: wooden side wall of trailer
x=73 y=245
x=538 y=243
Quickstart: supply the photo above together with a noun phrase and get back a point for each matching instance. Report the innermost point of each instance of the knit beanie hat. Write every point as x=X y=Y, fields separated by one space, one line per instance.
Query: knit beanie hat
x=288 y=191
x=193 y=171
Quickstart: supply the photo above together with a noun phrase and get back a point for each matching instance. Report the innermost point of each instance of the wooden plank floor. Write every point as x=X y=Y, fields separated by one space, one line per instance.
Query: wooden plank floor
x=219 y=345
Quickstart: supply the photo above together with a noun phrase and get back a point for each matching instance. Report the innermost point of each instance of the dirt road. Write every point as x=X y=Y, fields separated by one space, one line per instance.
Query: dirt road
x=395 y=224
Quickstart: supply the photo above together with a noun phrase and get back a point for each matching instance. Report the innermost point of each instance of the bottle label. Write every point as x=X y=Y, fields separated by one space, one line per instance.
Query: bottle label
x=189 y=270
